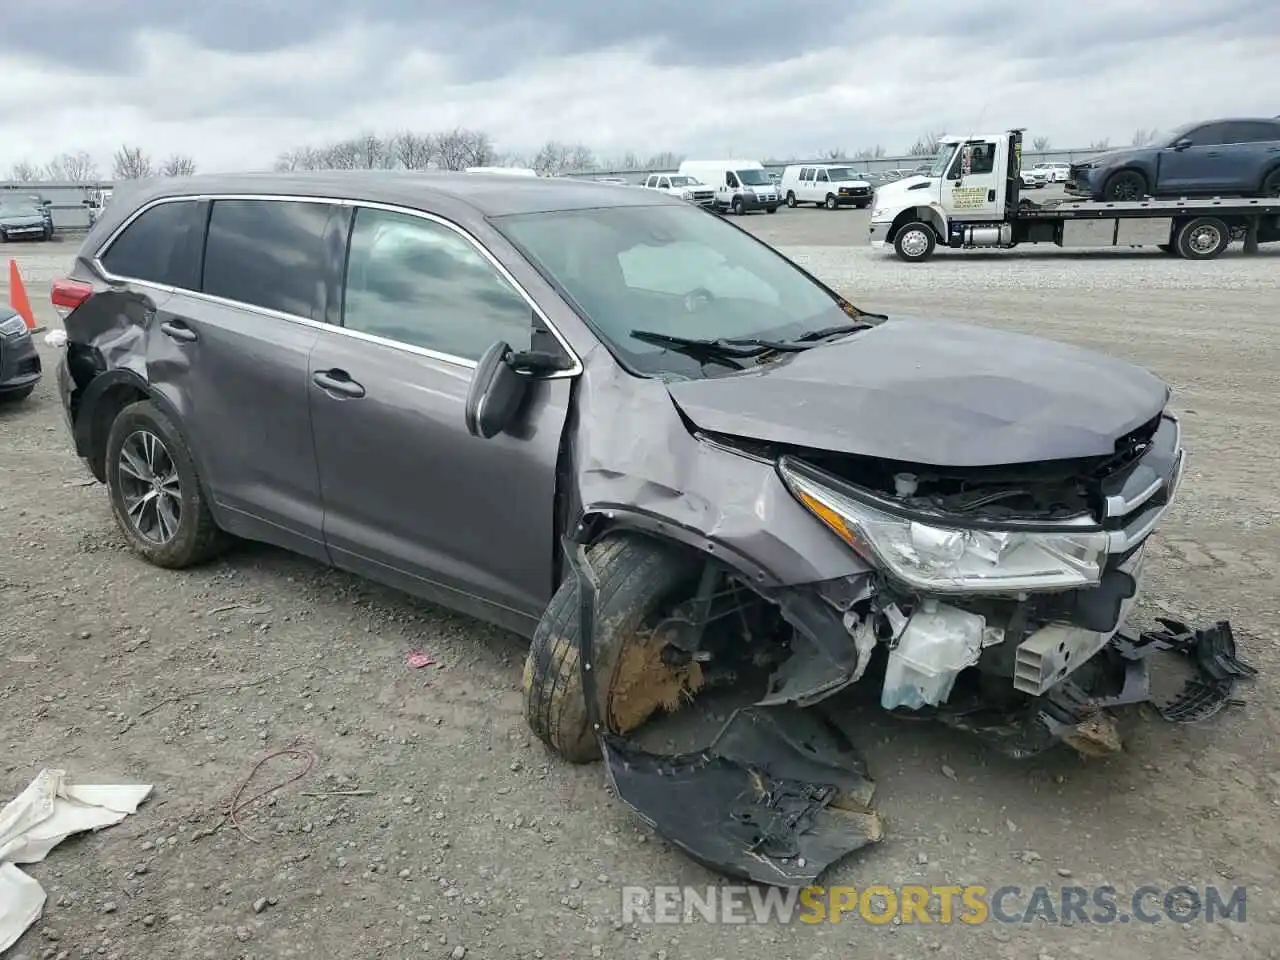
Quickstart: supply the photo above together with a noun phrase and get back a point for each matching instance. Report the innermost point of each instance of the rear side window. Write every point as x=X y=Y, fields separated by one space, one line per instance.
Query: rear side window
x=268 y=253
x=1254 y=131
x=160 y=246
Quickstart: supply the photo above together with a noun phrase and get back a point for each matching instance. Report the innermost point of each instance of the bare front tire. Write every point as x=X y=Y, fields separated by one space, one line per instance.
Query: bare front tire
x=1203 y=238
x=791 y=198
x=832 y=202
x=155 y=490
x=1125 y=186
x=640 y=578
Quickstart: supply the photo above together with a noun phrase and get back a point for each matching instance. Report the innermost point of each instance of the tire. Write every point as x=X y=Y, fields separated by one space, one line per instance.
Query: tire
x=739 y=208
x=915 y=242
x=1203 y=238
x=770 y=209
x=831 y=202
x=17 y=396
x=861 y=206
x=1124 y=186
x=1166 y=248
x=638 y=576
x=791 y=199
x=1271 y=184
x=195 y=537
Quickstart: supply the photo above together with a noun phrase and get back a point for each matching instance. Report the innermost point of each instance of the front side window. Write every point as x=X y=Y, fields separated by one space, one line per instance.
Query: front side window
x=269 y=254
x=420 y=283
x=671 y=270
x=730 y=180
x=160 y=246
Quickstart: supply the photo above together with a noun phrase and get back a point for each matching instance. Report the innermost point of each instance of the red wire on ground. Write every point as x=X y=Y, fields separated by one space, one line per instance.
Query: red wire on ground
x=239 y=806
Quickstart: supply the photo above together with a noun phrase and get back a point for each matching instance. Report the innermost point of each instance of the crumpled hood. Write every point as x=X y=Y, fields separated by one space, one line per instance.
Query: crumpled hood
x=934 y=393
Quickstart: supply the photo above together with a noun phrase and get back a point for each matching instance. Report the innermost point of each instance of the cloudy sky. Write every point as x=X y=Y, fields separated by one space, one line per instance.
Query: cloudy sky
x=235 y=82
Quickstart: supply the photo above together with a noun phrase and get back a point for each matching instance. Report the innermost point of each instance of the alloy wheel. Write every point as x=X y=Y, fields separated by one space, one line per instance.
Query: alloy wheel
x=149 y=487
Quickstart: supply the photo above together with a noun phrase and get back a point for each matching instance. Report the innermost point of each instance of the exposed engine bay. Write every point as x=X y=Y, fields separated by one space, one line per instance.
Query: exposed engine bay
x=996 y=601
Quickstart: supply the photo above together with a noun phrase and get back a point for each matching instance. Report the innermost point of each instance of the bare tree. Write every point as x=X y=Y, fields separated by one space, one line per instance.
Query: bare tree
x=551 y=159
x=75 y=167
x=131 y=163
x=460 y=148
x=926 y=144
x=870 y=153
x=1102 y=144
x=1040 y=144
x=666 y=160
x=299 y=158
x=24 y=172
x=1142 y=137
x=836 y=154
x=178 y=165
x=582 y=157
x=413 y=151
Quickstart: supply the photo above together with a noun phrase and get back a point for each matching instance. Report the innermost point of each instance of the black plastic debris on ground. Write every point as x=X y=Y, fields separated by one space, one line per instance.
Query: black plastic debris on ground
x=1213 y=652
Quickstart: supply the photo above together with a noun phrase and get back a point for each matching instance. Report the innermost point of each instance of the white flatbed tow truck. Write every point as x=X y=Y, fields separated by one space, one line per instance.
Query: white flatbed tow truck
x=970 y=199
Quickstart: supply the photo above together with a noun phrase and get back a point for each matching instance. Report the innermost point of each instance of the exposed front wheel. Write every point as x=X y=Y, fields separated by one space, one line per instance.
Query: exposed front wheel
x=1203 y=238
x=832 y=202
x=770 y=209
x=791 y=198
x=155 y=490
x=1124 y=186
x=739 y=207
x=915 y=242
x=640 y=580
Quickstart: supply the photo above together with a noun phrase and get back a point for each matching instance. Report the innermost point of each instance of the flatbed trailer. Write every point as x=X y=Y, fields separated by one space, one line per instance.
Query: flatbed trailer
x=971 y=199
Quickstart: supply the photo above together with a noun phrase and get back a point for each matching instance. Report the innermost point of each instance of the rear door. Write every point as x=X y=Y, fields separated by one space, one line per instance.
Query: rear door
x=234 y=358
x=411 y=498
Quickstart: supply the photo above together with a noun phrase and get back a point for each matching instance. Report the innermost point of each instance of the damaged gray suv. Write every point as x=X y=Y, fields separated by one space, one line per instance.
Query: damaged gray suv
x=626 y=429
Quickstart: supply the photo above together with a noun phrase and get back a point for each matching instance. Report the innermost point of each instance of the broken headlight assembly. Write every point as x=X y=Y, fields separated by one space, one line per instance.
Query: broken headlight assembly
x=935 y=557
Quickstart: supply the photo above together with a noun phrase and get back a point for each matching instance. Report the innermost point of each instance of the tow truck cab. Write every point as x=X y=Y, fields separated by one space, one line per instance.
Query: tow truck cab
x=970 y=198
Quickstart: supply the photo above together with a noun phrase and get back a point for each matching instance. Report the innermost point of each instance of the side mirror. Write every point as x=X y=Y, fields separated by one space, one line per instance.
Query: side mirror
x=1183 y=144
x=495 y=394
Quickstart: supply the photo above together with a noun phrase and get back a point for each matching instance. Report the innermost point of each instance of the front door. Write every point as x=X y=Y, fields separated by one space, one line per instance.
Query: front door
x=1193 y=168
x=410 y=498
x=972 y=186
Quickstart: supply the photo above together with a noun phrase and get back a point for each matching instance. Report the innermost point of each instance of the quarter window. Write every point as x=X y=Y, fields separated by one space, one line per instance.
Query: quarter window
x=161 y=246
x=417 y=282
x=268 y=253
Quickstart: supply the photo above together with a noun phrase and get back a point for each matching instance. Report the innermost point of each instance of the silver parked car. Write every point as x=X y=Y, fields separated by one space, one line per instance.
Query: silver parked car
x=628 y=430
x=24 y=220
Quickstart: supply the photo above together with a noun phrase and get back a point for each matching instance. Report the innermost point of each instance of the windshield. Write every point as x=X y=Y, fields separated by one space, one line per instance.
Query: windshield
x=842 y=174
x=943 y=160
x=684 y=182
x=753 y=178
x=673 y=270
x=19 y=210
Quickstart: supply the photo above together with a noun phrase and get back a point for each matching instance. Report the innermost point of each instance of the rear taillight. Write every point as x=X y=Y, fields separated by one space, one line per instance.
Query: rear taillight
x=69 y=294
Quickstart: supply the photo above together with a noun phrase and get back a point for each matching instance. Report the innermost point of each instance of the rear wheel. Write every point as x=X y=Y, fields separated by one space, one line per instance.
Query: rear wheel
x=640 y=580
x=1124 y=186
x=155 y=490
x=832 y=202
x=1203 y=238
x=791 y=198
x=1271 y=185
x=914 y=242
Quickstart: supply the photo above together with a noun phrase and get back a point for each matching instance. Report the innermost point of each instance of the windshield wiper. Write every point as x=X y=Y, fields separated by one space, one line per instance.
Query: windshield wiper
x=727 y=348
x=812 y=336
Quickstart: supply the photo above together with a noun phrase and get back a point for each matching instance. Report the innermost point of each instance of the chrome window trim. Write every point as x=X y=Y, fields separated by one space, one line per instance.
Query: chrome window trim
x=574 y=370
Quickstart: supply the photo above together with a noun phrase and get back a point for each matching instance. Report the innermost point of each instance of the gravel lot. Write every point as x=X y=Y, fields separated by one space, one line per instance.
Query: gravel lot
x=470 y=838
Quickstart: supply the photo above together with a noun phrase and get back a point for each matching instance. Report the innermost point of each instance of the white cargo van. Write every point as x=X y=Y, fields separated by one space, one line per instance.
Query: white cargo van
x=830 y=185
x=741 y=185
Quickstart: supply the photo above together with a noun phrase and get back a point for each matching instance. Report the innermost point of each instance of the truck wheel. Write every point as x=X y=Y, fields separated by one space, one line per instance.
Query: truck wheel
x=1271 y=185
x=914 y=242
x=739 y=207
x=770 y=209
x=832 y=202
x=1202 y=239
x=1124 y=186
x=639 y=580
x=861 y=206
x=791 y=198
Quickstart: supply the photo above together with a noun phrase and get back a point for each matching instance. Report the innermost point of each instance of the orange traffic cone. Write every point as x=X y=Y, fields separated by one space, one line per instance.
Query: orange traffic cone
x=18 y=298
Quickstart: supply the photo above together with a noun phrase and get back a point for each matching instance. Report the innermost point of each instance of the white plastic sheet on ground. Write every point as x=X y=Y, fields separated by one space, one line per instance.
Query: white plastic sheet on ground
x=35 y=822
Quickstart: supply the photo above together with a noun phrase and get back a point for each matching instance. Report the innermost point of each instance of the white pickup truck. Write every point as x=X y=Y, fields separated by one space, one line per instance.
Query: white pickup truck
x=684 y=187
